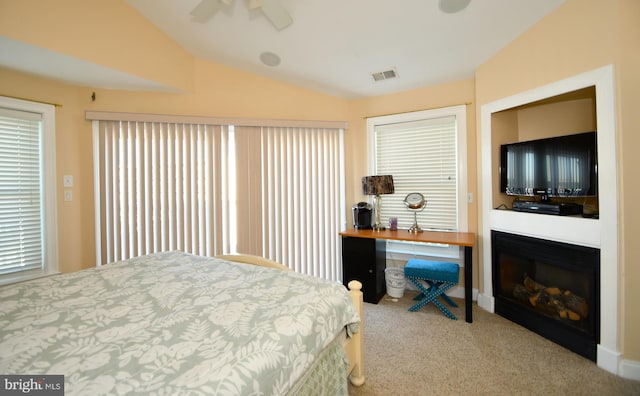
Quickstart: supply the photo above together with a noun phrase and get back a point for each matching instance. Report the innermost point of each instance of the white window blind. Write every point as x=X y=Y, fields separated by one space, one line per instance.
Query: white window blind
x=162 y=186
x=277 y=192
x=20 y=197
x=28 y=248
x=293 y=195
x=421 y=152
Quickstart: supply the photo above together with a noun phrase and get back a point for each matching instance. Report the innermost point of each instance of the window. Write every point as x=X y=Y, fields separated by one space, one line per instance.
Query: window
x=425 y=152
x=207 y=189
x=291 y=192
x=160 y=186
x=27 y=190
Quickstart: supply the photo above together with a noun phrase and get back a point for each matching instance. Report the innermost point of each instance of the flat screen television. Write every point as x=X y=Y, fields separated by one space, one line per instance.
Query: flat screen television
x=564 y=166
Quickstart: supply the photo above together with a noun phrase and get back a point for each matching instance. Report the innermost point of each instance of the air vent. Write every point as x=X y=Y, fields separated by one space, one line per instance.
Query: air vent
x=384 y=75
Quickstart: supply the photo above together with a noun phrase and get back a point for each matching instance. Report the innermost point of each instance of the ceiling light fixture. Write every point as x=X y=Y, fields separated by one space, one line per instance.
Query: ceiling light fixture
x=453 y=6
x=270 y=59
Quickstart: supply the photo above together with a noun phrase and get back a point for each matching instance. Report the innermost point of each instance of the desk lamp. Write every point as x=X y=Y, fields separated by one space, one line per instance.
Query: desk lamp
x=377 y=185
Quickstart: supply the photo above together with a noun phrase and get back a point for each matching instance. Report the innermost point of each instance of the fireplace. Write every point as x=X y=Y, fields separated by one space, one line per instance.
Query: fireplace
x=549 y=287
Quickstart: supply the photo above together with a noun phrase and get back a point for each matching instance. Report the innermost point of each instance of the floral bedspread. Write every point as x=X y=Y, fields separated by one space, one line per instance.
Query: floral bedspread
x=172 y=323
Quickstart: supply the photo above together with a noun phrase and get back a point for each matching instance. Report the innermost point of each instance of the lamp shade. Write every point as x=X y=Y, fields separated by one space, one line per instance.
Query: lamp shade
x=377 y=185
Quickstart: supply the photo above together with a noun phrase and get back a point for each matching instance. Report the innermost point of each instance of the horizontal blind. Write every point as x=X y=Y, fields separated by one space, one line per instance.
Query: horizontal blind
x=421 y=156
x=21 y=225
x=162 y=187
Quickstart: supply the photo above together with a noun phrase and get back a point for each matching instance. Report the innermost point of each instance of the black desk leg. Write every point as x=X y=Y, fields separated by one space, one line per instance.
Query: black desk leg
x=468 y=286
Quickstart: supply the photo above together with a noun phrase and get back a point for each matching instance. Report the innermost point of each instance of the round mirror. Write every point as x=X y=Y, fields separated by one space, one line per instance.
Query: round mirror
x=414 y=200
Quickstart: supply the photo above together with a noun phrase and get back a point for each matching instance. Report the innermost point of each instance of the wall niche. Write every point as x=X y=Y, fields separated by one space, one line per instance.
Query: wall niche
x=580 y=103
x=565 y=114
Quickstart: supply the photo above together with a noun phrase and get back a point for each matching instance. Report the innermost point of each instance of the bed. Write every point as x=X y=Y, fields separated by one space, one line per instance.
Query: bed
x=174 y=323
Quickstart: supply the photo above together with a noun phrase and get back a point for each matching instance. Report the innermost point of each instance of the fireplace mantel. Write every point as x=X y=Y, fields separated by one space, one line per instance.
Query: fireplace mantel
x=568 y=229
x=600 y=233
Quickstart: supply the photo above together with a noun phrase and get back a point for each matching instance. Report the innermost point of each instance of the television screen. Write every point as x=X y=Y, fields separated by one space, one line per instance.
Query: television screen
x=564 y=166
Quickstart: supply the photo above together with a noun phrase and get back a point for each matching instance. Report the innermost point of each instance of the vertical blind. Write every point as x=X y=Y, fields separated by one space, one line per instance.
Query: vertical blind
x=162 y=186
x=296 y=198
x=21 y=228
x=276 y=192
x=422 y=157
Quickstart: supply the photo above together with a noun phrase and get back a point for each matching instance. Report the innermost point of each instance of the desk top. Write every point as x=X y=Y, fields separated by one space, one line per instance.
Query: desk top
x=444 y=237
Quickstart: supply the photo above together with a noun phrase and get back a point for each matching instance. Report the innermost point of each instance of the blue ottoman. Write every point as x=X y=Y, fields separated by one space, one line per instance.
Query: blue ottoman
x=433 y=279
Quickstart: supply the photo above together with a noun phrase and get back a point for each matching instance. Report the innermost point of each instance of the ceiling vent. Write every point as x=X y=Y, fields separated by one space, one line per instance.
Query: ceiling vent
x=384 y=75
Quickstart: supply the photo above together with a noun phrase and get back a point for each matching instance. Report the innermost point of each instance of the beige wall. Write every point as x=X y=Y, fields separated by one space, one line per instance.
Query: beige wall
x=104 y=32
x=583 y=35
x=224 y=92
x=628 y=89
x=556 y=119
x=443 y=95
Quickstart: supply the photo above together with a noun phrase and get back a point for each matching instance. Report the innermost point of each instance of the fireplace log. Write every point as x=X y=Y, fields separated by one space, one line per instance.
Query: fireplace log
x=569 y=314
x=575 y=303
x=532 y=285
x=521 y=293
x=554 y=291
x=551 y=300
x=547 y=303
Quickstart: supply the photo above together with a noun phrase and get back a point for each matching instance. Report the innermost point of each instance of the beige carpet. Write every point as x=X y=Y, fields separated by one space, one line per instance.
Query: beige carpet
x=425 y=353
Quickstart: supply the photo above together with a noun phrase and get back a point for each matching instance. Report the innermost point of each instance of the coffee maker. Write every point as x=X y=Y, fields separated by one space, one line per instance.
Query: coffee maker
x=362 y=215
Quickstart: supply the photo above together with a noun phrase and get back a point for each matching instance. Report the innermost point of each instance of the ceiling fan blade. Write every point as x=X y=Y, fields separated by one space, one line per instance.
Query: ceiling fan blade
x=253 y=4
x=278 y=16
x=205 y=10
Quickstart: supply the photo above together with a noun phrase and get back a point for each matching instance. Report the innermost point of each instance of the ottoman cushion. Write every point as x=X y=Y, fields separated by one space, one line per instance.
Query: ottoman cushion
x=434 y=270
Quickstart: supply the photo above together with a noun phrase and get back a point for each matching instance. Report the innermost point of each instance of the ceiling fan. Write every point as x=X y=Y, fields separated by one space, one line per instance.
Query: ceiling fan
x=272 y=9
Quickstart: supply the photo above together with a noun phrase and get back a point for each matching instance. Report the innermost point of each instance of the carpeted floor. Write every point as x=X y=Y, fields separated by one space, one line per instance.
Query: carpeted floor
x=425 y=353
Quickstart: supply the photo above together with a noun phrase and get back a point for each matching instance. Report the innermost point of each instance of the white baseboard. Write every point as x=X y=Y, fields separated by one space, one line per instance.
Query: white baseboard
x=486 y=302
x=608 y=360
x=630 y=369
x=458 y=292
x=612 y=362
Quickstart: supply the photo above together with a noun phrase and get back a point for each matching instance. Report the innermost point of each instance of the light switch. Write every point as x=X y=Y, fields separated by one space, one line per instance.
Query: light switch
x=67 y=181
x=68 y=195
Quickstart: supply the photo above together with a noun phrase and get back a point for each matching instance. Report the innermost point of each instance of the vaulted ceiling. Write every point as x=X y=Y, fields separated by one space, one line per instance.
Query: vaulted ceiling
x=338 y=47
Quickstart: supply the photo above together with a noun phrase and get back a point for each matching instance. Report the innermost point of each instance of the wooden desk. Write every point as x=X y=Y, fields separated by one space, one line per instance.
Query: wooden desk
x=463 y=239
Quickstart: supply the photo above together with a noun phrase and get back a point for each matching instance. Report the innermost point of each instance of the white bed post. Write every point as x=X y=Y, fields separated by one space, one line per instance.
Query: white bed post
x=355 y=346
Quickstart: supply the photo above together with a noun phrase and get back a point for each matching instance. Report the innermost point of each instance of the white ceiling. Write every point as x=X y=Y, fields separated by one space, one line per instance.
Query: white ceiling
x=332 y=46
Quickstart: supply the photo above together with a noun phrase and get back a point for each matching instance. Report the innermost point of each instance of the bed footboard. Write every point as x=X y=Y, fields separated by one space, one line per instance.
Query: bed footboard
x=255 y=260
x=354 y=346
